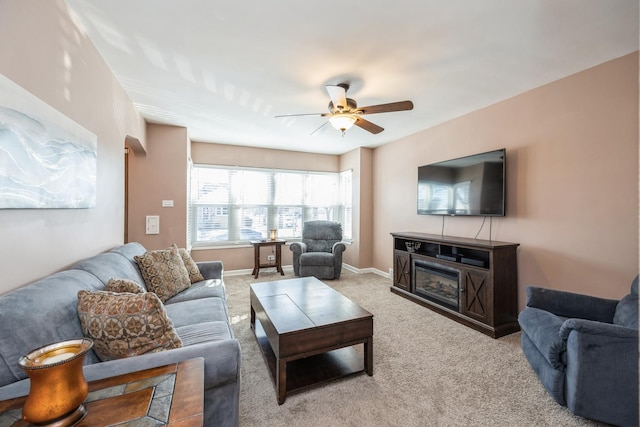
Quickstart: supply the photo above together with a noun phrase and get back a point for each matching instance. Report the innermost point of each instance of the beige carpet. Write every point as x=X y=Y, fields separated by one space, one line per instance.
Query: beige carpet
x=428 y=371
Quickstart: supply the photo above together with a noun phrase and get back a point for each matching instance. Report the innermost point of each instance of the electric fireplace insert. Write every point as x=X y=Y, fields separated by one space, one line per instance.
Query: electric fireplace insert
x=437 y=283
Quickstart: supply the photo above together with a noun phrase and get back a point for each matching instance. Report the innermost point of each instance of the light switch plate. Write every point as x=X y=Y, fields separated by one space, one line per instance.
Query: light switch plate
x=167 y=203
x=153 y=224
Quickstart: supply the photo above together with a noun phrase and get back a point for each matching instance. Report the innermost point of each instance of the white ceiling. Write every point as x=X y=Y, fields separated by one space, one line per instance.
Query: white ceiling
x=224 y=69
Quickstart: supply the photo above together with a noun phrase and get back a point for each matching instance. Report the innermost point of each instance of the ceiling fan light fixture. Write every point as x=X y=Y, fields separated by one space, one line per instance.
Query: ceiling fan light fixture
x=344 y=112
x=342 y=122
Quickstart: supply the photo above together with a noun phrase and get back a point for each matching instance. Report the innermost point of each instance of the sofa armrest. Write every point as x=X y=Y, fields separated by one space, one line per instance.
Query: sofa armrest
x=298 y=248
x=211 y=269
x=542 y=328
x=606 y=330
x=221 y=365
x=568 y=304
x=338 y=248
x=602 y=371
x=221 y=362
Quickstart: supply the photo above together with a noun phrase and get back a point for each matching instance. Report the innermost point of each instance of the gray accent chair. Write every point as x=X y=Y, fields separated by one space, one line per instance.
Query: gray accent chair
x=584 y=349
x=319 y=254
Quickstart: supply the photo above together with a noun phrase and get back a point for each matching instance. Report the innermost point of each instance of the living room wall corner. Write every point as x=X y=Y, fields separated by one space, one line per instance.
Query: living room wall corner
x=160 y=175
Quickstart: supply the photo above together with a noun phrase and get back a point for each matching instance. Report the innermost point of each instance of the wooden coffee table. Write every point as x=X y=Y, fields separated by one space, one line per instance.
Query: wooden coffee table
x=307 y=332
x=170 y=395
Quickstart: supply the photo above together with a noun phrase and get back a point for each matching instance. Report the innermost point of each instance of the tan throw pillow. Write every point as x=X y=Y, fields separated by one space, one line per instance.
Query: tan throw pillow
x=123 y=324
x=123 y=285
x=163 y=272
x=190 y=265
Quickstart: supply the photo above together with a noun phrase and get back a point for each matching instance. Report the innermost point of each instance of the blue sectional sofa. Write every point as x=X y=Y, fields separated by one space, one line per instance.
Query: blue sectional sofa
x=45 y=312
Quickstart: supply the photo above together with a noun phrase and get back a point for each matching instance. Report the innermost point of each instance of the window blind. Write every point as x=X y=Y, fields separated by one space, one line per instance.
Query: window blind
x=234 y=205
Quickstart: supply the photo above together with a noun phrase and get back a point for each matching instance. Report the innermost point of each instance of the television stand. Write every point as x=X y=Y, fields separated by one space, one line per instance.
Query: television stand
x=474 y=282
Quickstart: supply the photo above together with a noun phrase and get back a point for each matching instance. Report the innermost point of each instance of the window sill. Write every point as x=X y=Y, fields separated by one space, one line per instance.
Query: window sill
x=240 y=245
x=222 y=246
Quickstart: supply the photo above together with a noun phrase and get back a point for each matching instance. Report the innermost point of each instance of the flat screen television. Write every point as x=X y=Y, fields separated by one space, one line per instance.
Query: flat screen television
x=472 y=185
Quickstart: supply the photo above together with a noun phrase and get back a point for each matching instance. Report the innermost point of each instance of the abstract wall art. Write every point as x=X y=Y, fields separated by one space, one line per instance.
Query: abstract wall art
x=47 y=160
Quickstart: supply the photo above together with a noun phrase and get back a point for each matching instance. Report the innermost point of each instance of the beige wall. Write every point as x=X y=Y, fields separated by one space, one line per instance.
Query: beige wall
x=160 y=174
x=44 y=52
x=359 y=253
x=572 y=187
x=235 y=155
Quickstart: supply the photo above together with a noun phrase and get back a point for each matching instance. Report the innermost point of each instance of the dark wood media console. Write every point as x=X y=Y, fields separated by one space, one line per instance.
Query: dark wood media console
x=474 y=282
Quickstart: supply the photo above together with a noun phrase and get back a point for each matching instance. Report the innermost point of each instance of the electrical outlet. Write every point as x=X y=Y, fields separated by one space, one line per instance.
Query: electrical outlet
x=271 y=257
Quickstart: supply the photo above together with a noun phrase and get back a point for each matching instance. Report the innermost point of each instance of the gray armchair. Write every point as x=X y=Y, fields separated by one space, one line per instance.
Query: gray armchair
x=319 y=254
x=585 y=351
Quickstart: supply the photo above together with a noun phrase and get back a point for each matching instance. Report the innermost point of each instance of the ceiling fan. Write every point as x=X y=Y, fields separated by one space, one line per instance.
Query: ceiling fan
x=344 y=112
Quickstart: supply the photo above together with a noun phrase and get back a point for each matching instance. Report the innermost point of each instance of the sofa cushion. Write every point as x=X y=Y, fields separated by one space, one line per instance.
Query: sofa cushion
x=627 y=312
x=204 y=289
x=164 y=272
x=41 y=313
x=197 y=311
x=129 y=251
x=123 y=285
x=571 y=305
x=319 y=245
x=109 y=265
x=627 y=309
x=190 y=265
x=204 y=332
x=317 y=258
x=124 y=324
x=320 y=236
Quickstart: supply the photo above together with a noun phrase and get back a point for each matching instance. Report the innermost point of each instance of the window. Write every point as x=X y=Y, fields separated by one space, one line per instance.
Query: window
x=461 y=197
x=230 y=205
x=443 y=198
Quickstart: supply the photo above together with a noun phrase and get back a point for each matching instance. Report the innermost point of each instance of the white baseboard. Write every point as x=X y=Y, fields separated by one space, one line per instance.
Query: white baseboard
x=238 y=272
x=365 y=270
x=289 y=268
x=285 y=268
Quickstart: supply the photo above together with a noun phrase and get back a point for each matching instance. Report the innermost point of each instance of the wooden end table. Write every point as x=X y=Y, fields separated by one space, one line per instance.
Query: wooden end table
x=170 y=395
x=257 y=244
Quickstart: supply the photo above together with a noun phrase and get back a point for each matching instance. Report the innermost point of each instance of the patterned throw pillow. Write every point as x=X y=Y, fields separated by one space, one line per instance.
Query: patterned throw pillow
x=163 y=272
x=123 y=285
x=190 y=265
x=123 y=325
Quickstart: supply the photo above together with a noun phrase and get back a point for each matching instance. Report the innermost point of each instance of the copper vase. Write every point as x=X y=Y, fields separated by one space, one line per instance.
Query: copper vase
x=58 y=386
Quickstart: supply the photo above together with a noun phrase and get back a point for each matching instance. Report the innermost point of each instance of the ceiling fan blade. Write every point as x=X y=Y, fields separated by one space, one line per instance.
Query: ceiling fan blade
x=338 y=95
x=368 y=126
x=387 y=108
x=318 y=129
x=307 y=114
